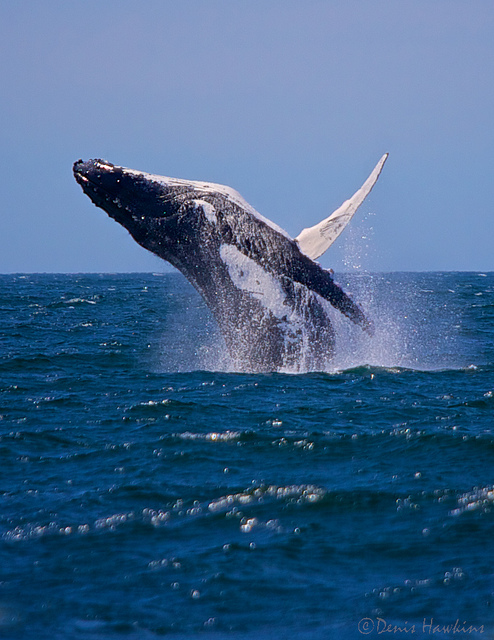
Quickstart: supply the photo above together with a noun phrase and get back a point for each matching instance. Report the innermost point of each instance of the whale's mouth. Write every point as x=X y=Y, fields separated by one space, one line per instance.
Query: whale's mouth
x=105 y=185
x=90 y=175
x=91 y=171
x=132 y=198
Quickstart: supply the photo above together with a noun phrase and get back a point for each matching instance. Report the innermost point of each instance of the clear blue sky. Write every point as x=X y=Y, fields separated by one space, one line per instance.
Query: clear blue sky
x=291 y=102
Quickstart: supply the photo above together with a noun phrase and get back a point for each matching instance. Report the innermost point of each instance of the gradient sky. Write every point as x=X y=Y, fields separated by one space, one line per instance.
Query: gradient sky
x=291 y=102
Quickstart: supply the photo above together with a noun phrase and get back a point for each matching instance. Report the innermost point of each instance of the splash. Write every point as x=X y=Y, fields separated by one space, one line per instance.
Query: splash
x=417 y=321
x=417 y=325
x=394 y=343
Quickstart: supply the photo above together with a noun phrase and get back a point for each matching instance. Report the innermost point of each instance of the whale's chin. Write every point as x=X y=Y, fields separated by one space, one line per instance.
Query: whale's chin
x=125 y=195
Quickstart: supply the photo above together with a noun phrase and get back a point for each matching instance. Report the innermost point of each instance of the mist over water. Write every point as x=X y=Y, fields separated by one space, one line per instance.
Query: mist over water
x=417 y=318
x=417 y=321
x=414 y=327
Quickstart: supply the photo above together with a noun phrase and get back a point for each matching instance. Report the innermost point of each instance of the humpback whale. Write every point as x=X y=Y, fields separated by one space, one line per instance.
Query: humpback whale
x=268 y=295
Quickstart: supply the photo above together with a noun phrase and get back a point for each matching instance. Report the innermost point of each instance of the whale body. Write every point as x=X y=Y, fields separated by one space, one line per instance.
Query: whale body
x=266 y=292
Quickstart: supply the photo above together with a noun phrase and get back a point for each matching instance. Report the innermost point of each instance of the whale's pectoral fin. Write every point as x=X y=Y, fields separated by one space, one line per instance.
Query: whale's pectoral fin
x=314 y=241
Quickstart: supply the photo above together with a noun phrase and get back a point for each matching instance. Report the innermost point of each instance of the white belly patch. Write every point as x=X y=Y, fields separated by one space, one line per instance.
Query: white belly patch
x=247 y=275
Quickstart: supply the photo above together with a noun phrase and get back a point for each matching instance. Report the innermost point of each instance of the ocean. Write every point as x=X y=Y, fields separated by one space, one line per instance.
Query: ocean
x=148 y=490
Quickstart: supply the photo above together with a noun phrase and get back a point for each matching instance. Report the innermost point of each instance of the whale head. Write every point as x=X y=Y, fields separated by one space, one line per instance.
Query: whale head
x=129 y=197
x=149 y=206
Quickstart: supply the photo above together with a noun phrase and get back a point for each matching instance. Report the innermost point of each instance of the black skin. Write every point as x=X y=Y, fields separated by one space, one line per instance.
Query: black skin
x=164 y=219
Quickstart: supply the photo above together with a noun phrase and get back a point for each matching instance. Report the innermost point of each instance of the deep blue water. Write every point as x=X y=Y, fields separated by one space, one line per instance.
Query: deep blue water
x=147 y=490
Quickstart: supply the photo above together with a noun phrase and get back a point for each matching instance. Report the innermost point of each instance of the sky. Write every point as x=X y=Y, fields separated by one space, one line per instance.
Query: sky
x=291 y=102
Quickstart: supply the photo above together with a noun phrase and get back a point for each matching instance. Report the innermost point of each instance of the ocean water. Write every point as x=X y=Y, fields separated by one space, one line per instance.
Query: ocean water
x=147 y=490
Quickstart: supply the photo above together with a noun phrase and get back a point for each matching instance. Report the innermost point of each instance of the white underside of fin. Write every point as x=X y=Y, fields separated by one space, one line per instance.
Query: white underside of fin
x=249 y=276
x=314 y=241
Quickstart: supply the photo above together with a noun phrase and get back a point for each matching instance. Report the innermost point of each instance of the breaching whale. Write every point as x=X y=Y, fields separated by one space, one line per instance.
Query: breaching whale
x=268 y=295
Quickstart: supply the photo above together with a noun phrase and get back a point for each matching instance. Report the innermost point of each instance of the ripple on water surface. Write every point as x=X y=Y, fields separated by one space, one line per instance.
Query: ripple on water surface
x=138 y=500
